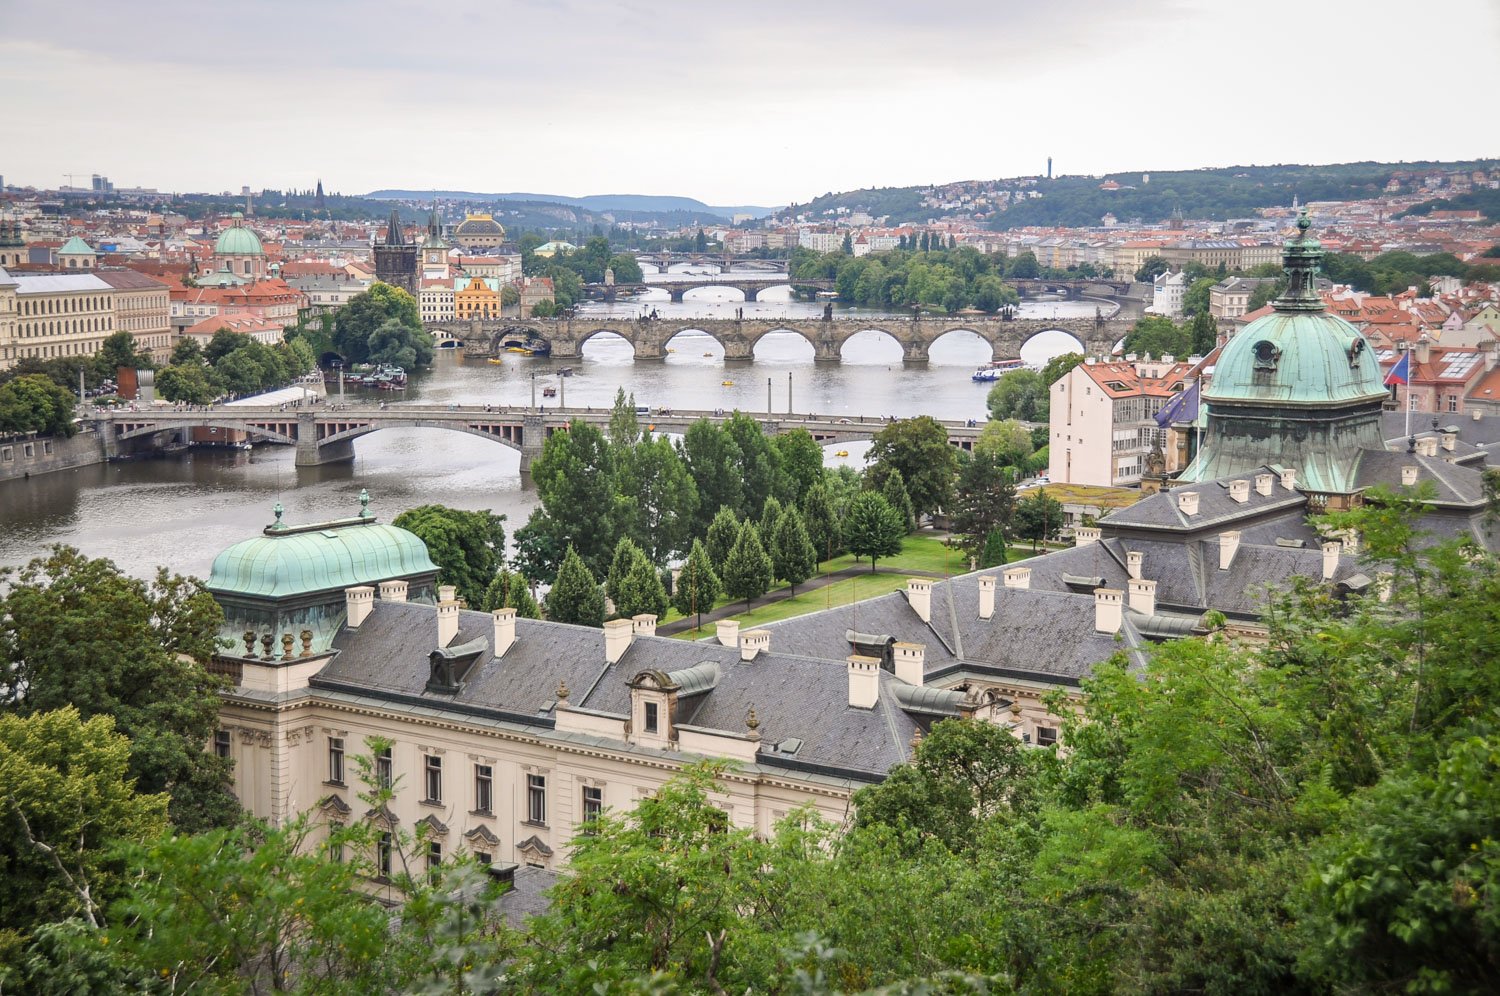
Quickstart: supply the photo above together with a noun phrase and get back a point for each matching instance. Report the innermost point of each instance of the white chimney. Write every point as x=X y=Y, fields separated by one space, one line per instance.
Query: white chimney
x=910 y=659
x=1239 y=491
x=1289 y=479
x=393 y=591
x=1450 y=441
x=1350 y=539
x=864 y=681
x=1331 y=550
x=919 y=594
x=1017 y=577
x=645 y=624
x=1187 y=502
x=1133 y=561
x=1263 y=484
x=505 y=630
x=1229 y=545
x=754 y=641
x=987 y=596
x=1424 y=348
x=1476 y=414
x=1084 y=535
x=1108 y=609
x=447 y=593
x=617 y=636
x=1408 y=476
x=1143 y=596
x=447 y=616
x=728 y=632
x=358 y=602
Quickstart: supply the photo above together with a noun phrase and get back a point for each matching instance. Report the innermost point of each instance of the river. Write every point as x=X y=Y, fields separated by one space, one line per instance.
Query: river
x=181 y=511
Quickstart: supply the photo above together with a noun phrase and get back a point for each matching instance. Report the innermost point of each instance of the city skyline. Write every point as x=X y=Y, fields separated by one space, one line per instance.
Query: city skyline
x=729 y=107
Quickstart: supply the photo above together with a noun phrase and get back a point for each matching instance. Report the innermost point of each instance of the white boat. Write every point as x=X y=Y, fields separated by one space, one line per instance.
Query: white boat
x=997 y=369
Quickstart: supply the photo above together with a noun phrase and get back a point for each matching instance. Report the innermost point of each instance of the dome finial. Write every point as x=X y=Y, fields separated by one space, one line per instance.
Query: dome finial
x=1299 y=260
x=364 y=503
x=278 y=511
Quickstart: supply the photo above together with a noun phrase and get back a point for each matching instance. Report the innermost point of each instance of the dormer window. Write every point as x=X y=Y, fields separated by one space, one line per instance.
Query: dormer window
x=1266 y=355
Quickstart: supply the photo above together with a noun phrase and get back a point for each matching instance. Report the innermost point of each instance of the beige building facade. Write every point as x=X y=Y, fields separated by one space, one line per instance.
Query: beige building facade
x=59 y=315
x=143 y=307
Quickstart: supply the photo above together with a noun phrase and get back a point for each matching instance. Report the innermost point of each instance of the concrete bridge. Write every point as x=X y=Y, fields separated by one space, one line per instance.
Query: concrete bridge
x=749 y=286
x=662 y=260
x=327 y=435
x=649 y=338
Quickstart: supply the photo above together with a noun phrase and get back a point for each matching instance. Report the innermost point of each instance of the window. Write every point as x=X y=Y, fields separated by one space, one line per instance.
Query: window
x=383 y=768
x=336 y=760
x=651 y=720
x=335 y=841
x=1453 y=402
x=434 y=770
x=1046 y=736
x=593 y=802
x=536 y=799
x=484 y=789
x=383 y=854
x=221 y=743
x=434 y=858
x=484 y=858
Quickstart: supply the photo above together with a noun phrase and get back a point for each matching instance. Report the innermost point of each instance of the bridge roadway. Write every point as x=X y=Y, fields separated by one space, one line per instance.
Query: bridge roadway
x=326 y=434
x=750 y=286
x=649 y=337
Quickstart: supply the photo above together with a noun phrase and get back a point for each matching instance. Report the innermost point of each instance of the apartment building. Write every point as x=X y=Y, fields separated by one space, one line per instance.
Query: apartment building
x=1103 y=421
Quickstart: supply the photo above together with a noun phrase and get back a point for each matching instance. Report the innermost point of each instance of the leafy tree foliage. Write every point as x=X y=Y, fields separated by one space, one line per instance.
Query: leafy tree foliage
x=468 y=547
x=356 y=324
x=800 y=459
x=509 y=590
x=187 y=382
x=698 y=586
x=1009 y=442
x=574 y=479
x=396 y=344
x=770 y=512
x=793 y=557
x=823 y=524
x=187 y=351
x=1038 y=516
x=935 y=279
x=872 y=528
x=34 y=403
x=633 y=584
x=119 y=350
x=1159 y=336
x=712 y=458
x=993 y=553
x=655 y=500
x=76 y=632
x=894 y=492
x=984 y=501
x=1195 y=299
x=918 y=448
x=575 y=596
x=723 y=533
x=759 y=463
x=1056 y=368
x=1019 y=394
x=747 y=571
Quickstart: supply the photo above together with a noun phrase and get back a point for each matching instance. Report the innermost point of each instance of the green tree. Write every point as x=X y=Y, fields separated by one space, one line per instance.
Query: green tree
x=1157 y=335
x=894 y=492
x=509 y=590
x=1056 y=368
x=1038 y=517
x=747 y=571
x=1205 y=333
x=872 y=528
x=468 y=547
x=800 y=460
x=357 y=321
x=713 y=460
x=68 y=799
x=187 y=351
x=1019 y=394
x=698 y=585
x=793 y=557
x=186 y=382
x=641 y=590
x=656 y=500
x=575 y=596
x=119 y=350
x=625 y=556
x=395 y=344
x=1153 y=267
x=759 y=463
x=540 y=546
x=574 y=478
x=624 y=426
x=919 y=449
x=993 y=553
x=984 y=500
x=770 y=512
x=34 y=403
x=1024 y=267
x=822 y=522
x=78 y=632
x=1264 y=294
x=1195 y=299
x=723 y=533
x=1009 y=442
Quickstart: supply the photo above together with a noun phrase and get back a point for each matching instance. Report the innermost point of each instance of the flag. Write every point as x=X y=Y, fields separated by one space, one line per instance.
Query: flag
x=1182 y=408
x=1401 y=372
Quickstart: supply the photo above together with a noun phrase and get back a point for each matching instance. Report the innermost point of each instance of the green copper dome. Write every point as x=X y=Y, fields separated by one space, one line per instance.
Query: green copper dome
x=237 y=240
x=328 y=557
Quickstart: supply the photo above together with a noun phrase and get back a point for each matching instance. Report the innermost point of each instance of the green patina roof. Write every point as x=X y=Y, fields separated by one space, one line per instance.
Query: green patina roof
x=288 y=561
x=237 y=240
x=76 y=247
x=1297 y=357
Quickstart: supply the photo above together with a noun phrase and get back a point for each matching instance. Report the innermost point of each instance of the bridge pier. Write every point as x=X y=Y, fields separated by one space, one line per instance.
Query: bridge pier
x=649 y=350
x=310 y=453
x=751 y=293
x=533 y=436
x=914 y=354
x=676 y=294
x=827 y=351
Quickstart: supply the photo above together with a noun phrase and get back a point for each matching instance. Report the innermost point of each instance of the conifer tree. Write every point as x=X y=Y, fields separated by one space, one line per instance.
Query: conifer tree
x=994 y=552
x=640 y=590
x=792 y=553
x=723 y=532
x=698 y=585
x=747 y=570
x=575 y=596
x=821 y=523
x=769 y=515
x=626 y=553
x=894 y=492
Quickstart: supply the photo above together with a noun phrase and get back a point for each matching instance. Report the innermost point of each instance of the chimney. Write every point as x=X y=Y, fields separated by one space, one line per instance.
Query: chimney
x=1143 y=596
x=1133 y=561
x=1476 y=414
x=1331 y=550
x=1450 y=441
x=1239 y=491
x=987 y=596
x=1018 y=577
x=617 y=636
x=1084 y=535
x=1408 y=476
x=357 y=604
x=1108 y=609
x=1424 y=348
x=1289 y=479
x=1350 y=539
x=1427 y=446
x=919 y=594
x=1263 y=484
x=505 y=630
x=447 y=615
x=1187 y=502
x=1229 y=545
x=864 y=681
x=393 y=591
x=447 y=593
x=754 y=641
x=910 y=658
x=728 y=632
x=645 y=624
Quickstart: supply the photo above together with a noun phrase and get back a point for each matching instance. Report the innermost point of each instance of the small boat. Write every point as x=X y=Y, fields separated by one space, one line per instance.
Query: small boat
x=995 y=370
x=518 y=349
x=565 y=372
x=549 y=392
x=842 y=453
x=708 y=354
x=495 y=359
x=726 y=383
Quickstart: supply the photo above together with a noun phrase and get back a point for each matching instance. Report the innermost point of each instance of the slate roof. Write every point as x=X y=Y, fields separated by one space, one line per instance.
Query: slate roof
x=528 y=896
x=1456 y=485
x=1216 y=510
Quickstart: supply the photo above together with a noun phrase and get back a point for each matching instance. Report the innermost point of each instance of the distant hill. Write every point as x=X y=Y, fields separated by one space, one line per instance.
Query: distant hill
x=636 y=204
x=1146 y=195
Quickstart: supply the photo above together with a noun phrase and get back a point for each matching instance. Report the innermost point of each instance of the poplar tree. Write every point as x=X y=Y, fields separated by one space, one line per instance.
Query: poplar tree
x=575 y=596
x=698 y=586
x=792 y=553
x=821 y=523
x=894 y=492
x=723 y=533
x=747 y=571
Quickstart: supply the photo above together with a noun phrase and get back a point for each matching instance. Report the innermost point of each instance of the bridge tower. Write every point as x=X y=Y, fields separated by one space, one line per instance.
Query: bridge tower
x=396 y=260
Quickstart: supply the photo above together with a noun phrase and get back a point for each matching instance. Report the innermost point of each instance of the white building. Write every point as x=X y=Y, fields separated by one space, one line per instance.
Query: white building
x=1167 y=292
x=1103 y=423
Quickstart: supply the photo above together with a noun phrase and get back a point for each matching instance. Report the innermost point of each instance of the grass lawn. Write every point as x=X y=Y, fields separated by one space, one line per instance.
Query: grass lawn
x=838 y=593
x=918 y=552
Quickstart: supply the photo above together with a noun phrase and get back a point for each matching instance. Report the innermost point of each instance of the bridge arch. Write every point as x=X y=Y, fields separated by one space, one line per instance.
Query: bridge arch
x=1051 y=340
x=875 y=333
x=695 y=338
x=755 y=337
x=966 y=330
x=621 y=329
x=227 y=424
x=491 y=433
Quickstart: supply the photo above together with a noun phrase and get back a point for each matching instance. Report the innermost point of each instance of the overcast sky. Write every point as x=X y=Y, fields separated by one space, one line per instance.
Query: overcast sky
x=753 y=102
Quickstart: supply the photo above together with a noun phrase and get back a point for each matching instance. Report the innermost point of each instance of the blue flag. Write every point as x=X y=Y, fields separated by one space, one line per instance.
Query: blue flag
x=1401 y=372
x=1182 y=408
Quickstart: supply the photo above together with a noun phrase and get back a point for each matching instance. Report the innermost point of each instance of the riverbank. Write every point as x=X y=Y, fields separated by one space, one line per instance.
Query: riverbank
x=22 y=457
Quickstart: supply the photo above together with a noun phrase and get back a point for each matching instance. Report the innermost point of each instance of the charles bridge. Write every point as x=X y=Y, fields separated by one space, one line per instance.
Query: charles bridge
x=747 y=284
x=649 y=337
x=326 y=434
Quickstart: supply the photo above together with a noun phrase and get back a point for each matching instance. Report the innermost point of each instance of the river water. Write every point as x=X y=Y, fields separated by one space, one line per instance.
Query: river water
x=181 y=511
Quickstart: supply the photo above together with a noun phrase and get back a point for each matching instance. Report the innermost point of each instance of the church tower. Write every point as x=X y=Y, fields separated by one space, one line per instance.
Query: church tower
x=396 y=260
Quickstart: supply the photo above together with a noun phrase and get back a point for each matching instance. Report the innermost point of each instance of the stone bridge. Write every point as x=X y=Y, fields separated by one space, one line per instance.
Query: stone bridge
x=663 y=260
x=649 y=338
x=746 y=285
x=326 y=435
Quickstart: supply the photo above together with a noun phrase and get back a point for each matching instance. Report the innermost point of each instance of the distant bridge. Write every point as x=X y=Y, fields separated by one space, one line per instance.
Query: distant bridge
x=649 y=338
x=749 y=286
x=326 y=435
x=662 y=260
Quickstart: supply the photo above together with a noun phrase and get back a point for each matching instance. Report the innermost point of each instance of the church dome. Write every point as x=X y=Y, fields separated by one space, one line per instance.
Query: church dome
x=1300 y=354
x=479 y=224
x=237 y=240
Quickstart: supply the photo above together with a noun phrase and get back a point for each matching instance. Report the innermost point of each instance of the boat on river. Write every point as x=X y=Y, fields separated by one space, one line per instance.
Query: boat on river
x=726 y=383
x=549 y=392
x=996 y=369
